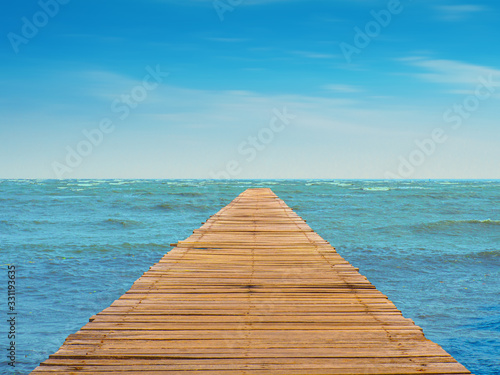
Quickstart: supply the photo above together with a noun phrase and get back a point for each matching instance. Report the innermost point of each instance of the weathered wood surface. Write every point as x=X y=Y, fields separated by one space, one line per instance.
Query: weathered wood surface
x=253 y=291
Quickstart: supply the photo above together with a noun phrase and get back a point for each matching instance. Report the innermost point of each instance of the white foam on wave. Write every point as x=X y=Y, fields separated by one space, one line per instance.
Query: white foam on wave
x=119 y=183
x=412 y=188
x=377 y=188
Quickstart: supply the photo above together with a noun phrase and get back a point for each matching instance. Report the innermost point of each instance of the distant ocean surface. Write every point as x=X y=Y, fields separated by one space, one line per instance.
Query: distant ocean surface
x=432 y=247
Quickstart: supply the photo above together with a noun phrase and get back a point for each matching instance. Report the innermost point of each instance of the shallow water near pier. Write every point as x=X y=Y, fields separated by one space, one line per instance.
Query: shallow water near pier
x=433 y=247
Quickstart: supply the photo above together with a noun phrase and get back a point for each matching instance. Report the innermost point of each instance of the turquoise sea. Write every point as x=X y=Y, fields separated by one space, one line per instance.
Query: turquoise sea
x=433 y=247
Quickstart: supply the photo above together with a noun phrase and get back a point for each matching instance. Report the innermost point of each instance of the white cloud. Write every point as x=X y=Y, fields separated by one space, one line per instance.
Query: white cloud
x=339 y=136
x=458 y=12
x=343 y=88
x=315 y=55
x=411 y=58
x=453 y=72
x=106 y=85
x=239 y=111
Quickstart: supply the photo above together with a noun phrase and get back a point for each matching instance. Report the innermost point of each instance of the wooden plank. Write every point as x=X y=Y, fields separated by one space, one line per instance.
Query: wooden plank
x=253 y=291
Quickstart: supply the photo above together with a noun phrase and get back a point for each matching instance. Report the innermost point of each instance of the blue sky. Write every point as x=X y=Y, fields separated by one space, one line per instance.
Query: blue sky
x=191 y=91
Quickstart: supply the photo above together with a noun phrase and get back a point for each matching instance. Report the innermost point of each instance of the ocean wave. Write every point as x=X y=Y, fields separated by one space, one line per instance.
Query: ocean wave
x=411 y=188
x=327 y=183
x=381 y=188
x=165 y=206
x=150 y=245
x=59 y=197
x=42 y=222
x=487 y=254
x=115 y=249
x=123 y=222
x=87 y=185
x=197 y=207
x=119 y=183
x=452 y=223
x=143 y=192
x=184 y=207
x=6 y=223
x=188 y=194
x=482 y=256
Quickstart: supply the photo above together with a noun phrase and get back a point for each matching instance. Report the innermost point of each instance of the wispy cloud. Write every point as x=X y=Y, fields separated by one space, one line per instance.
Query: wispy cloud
x=452 y=72
x=343 y=88
x=458 y=12
x=181 y=109
x=315 y=55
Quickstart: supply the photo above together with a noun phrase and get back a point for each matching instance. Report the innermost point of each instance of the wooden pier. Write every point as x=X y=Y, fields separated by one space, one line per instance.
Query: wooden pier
x=253 y=291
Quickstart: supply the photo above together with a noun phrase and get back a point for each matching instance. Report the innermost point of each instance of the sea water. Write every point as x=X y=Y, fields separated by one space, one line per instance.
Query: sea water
x=433 y=247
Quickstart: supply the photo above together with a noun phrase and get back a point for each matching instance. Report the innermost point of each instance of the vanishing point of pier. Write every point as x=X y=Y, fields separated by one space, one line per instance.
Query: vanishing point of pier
x=253 y=291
